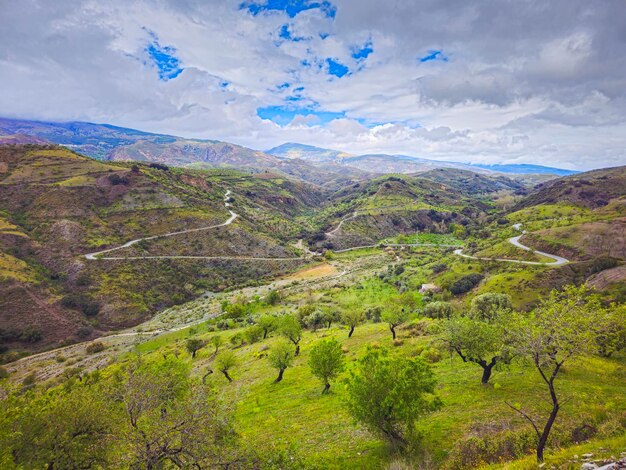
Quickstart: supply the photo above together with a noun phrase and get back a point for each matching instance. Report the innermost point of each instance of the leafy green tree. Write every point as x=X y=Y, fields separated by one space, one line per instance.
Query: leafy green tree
x=193 y=345
x=226 y=361
x=478 y=342
x=172 y=421
x=565 y=325
x=272 y=297
x=291 y=329
x=352 y=317
x=268 y=323
x=281 y=357
x=394 y=316
x=216 y=341
x=329 y=316
x=438 y=309
x=326 y=361
x=72 y=427
x=611 y=330
x=253 y=334
x=389 y=393
x=488 y=307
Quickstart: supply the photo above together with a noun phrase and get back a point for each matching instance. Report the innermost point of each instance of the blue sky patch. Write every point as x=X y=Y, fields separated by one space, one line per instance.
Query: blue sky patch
x=336 y=68
x=291 y=7
x=164 y=58
x=283 y=115
x=434 y=55
x=360 y=53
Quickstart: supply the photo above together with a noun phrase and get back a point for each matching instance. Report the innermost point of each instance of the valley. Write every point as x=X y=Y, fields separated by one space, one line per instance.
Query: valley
x=150 y=259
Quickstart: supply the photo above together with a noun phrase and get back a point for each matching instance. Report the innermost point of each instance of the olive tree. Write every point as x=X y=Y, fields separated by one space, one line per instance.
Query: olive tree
x=394 y=316
x=477 y=342
x=352 y=317
x=281 y=357
x=291 y=329
x=268 y=323
x=226 y=361
x=193 y=345
x=389 y=393
x=487 y=307
x=565 y=325
x=438 y=309
x=326 y=361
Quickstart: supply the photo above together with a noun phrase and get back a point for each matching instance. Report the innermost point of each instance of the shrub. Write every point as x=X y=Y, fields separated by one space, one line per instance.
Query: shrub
x=4 y=374
x=466 y=283
x=84 y=331
x=253 y=334
x=438 y=309
x=96 y=347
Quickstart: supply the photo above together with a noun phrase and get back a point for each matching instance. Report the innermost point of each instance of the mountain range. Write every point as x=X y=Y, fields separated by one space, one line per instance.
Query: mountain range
x=107 y=142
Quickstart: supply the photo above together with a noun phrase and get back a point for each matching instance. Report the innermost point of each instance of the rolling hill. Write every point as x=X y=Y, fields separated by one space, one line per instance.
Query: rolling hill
x=56 y=206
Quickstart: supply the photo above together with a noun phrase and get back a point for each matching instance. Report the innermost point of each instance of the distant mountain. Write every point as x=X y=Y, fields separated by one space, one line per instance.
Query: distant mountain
x=524 y=169
x=106 y=142
x=385 y=163
x=307 y=152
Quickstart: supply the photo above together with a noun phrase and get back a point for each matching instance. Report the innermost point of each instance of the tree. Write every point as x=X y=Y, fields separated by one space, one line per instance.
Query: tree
x=487 y=307
x=562 y=327
x=329 y=316
x=281 y=356
x=226 y=361
x=326 y=361
x=272 y=297
x=352 y=317
x=438 y=309
x=70 y=427
x=395 y=316
x=268 y=323
x=611 y=334
x=172 y=420
x=216 y=341
x=253 y=334
x=291 y=329
x=478 y=342
x=388 y=394
x=194 y=345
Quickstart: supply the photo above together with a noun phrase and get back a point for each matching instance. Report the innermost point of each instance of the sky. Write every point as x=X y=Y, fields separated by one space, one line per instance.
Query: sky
x=492 y=81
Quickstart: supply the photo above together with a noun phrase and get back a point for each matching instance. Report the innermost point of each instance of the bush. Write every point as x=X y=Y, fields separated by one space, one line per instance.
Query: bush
x=116 y=179
x=4 y=374
x=492 y=448
x=96 y=347
x=253 y=334
x=438 y=309
x=439 y=268
x=432 y=355
x=466 y=284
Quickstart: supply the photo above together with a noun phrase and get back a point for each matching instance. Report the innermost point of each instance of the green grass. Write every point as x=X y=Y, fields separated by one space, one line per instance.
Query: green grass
x=295 y=412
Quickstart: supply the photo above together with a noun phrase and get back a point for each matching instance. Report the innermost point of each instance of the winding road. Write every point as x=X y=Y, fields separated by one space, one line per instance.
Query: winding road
x=558 y=261
x=98 y=255
x=334 y=231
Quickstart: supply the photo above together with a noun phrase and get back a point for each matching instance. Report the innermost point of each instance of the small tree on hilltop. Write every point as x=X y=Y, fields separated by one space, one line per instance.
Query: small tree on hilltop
x=226 y=361
x=291 y=329
x=281 y=357
x=193 y=345
x=326 y=361
x=562 y=327
x=388 y=394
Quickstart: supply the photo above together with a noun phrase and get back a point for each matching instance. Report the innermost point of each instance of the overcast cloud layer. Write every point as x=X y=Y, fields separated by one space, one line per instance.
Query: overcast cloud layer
x=487 y=82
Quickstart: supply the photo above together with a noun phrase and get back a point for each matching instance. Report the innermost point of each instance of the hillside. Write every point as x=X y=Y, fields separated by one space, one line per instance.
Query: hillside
x=106 y=142
x=57 y=206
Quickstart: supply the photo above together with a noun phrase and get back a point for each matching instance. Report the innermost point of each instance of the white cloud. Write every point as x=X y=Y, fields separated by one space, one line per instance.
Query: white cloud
x=525 y=81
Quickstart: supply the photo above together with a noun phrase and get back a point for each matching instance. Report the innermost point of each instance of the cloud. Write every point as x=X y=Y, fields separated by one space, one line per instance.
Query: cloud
x=525 y=81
